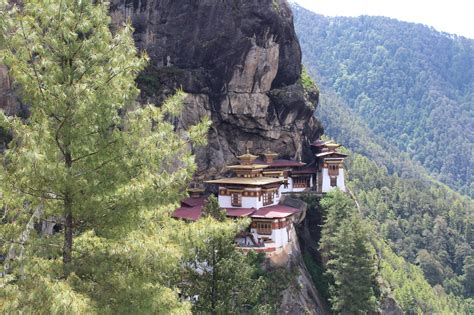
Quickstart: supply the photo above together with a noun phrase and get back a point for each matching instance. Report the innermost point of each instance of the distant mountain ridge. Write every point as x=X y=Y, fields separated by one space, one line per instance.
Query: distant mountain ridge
x=411 y=85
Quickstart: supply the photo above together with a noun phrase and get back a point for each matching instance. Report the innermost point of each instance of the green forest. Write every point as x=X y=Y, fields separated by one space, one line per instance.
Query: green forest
x=411 y=85
x=420 y=220
x=352 y=241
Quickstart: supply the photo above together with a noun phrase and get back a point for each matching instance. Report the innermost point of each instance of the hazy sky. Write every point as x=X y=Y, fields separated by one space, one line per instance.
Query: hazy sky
x=453 y=16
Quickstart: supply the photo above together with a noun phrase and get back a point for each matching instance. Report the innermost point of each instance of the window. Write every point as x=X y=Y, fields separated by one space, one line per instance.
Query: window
x=333 y=170
x=301 y=182
x=267 y=198
x=264 y=228
x=236 y=199
x=333 y=181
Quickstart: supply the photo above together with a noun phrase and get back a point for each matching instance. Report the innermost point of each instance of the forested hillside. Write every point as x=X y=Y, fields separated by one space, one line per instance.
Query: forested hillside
x=411 y=86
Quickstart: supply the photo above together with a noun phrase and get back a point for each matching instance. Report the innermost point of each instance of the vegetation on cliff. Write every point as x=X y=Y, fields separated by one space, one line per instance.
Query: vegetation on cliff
x=108 y=173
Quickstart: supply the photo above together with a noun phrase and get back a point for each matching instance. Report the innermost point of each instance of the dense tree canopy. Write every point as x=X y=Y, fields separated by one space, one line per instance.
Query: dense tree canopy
x=411 y=85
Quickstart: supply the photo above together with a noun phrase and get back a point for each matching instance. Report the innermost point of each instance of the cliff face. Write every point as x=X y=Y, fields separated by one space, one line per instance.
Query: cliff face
x=240 y=62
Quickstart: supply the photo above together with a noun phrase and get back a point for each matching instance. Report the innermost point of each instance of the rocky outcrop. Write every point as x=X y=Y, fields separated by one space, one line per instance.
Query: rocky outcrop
x=300 y=296
x=240 y=62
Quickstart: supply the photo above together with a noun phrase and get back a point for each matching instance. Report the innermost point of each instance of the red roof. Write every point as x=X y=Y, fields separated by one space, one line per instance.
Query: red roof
x=277 y=211
x=187 y=213
x=280 y=163
x=193 y=202
x=239 y=212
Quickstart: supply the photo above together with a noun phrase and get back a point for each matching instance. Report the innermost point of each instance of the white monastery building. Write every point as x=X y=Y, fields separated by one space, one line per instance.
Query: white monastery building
x=256 y=187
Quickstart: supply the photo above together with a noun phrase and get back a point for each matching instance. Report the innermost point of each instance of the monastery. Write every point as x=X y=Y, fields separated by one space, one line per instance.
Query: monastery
x=256 y=189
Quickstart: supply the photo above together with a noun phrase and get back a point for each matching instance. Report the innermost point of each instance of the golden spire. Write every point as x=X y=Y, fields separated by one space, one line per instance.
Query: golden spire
x=270 y=156
x=247 y=158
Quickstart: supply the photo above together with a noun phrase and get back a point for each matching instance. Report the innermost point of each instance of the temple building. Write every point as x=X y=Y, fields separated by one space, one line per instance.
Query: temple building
x=249 y=193
x=329 y=165
x=255 y=190
x=297 y=177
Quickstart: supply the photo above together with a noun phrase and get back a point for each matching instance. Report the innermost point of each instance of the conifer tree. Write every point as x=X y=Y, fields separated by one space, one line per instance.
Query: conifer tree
x=110 y=169
x=222 y=279
x=349 y=256
x=212 y=209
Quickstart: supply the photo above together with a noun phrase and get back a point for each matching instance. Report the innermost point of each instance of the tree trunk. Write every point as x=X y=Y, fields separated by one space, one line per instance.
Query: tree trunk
x=68 y=226
x=67 y=249
x=214 y=282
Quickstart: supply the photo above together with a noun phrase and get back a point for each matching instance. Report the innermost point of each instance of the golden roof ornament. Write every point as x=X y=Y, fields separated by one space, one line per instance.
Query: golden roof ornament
x=247 y=158
x=270 y=156
x=332 y=146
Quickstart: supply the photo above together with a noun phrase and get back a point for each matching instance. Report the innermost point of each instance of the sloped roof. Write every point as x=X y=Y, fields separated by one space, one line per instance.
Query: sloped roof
x=193 y=202
x=329 y=153
x=188 y=213
x=239 y=212
x=274 y=212
x=254 y=181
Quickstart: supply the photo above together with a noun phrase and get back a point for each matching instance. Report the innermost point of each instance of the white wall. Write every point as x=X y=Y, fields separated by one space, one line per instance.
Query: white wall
x=290 y=186
x=247 y=202
x=279 y=236
x=327 y=181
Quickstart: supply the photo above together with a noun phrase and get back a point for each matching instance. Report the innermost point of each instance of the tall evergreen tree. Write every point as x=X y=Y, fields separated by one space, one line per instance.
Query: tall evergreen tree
x=221 y=278
x=350 y=262
x=87 y=154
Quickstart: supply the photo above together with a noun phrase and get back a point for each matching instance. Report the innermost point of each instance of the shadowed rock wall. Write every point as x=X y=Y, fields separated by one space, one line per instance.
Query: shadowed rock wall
x=240 y=62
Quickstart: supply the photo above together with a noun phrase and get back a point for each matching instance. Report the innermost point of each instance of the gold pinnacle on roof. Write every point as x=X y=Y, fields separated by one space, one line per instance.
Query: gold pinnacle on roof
x=270 y=156
x=247 y=158
x=332 y=146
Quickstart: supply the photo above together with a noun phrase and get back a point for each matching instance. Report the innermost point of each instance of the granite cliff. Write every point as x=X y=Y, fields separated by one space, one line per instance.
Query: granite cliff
x=240 y=62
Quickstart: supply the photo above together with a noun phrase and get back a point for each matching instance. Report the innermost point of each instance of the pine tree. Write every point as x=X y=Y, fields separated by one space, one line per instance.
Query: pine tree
x=222 y=279
x=212 y=209
x=112 y=170
x=349 y=256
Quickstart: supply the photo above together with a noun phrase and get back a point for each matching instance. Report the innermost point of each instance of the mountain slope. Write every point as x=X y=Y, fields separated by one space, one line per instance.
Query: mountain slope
x=411 y=85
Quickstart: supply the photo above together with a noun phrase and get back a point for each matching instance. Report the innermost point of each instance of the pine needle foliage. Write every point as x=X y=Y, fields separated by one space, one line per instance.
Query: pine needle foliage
x=88 y=154
x=349 y=256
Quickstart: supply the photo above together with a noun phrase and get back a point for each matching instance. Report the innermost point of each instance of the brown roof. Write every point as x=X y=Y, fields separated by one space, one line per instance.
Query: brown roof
x=274 y=212
x=193 y=202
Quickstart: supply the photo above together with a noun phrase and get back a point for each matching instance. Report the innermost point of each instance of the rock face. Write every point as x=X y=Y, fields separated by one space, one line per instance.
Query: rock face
x=240 y=62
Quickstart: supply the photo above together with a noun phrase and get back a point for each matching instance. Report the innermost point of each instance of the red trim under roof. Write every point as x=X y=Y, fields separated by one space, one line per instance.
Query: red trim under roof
x=274 y=212
x=306 y=170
